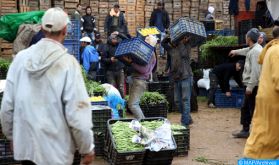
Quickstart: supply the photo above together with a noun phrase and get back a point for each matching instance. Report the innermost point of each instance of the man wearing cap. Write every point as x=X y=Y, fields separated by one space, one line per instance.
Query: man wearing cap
x=251 y=75
x=264 y=137
x=90 y=58
x=45 y=110
x=221 y=75
x=115 y=21
x=114 y=67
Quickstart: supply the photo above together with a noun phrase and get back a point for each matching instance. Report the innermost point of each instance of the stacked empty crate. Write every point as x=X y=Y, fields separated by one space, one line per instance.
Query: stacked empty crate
x=234 y=101
x=100 y=115
x=182 y=139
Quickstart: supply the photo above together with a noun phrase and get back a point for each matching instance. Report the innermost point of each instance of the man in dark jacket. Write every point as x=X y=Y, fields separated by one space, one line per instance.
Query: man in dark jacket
x=182 y=75
x=160 y=19
x=221 y=74
x=115 y=21
x=88 y=23
x=114 y=67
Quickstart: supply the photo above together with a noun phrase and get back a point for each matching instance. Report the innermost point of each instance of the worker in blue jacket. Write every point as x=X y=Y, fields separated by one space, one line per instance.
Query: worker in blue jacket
x=89 y=58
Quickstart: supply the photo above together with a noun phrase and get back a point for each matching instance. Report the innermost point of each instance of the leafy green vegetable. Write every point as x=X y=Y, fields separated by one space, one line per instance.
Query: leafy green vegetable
x=177 y=129
x=92 y=87
x=152 y=98
x=208 y=53
x=4 y=64
x=122 y=136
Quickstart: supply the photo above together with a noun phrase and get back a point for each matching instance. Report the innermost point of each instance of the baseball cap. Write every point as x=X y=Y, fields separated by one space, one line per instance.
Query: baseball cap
x=97 y=35
x=54 y=20
x=85 y=39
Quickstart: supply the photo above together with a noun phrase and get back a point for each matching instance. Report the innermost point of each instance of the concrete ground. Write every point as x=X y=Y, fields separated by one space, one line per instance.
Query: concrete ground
x=211 y=140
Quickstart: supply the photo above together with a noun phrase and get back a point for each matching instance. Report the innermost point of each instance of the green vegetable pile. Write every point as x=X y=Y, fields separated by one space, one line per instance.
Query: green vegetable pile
x=152 y=98
x=177 y=129
x=206 y=51
x=152 y=124
x=92 y=87
x=122 y=135
x=4 y=64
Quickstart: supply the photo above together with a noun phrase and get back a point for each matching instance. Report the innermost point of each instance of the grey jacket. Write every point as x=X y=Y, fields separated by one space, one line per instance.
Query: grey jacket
x=252 y=69
x=180 y=59
x=45 y=109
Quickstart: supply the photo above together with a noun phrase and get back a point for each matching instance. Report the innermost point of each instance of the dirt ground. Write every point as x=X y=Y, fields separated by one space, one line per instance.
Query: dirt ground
x=211 y=139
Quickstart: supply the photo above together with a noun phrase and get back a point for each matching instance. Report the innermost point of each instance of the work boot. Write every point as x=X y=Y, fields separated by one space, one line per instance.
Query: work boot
x=242 y=134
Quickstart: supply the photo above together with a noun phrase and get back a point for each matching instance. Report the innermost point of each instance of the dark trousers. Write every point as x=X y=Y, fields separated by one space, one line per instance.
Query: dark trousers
x=213 y=87
x=26 y=162
x=116 y=78
x=247 y=109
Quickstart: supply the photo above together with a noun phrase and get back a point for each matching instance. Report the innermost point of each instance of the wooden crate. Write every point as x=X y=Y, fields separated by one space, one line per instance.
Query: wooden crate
x=177 y=5
x=131 y=8
x=150 y=2
x=103 y=11
x=149 y=8
x=94 y=3
x=195 y=4
x=103 y=4
x=131 y=2
x=70 y=5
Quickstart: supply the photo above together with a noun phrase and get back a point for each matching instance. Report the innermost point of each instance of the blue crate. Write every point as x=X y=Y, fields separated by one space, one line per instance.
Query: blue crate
x=104 y=103
x=73 y=48
x=188 y=27
x=73 y=30
x=235 y=101
x=140 y=51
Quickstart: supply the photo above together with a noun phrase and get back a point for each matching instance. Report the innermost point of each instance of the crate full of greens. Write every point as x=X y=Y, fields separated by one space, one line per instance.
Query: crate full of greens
x=181 y=135
x=154 y=104
x=4 y=67
x=121 y=149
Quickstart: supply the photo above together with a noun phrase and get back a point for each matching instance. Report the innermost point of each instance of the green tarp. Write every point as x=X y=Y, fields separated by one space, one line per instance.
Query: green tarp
x=10 y=23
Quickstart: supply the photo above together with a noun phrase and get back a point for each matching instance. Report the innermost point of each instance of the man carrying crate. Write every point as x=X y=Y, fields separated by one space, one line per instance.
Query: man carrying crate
x=182 y=74
x=139 y=77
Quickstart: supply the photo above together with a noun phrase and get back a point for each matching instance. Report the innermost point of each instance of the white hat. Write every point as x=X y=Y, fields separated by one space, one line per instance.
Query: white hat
x=211 y=9
x=54 y=20
x=85 y=39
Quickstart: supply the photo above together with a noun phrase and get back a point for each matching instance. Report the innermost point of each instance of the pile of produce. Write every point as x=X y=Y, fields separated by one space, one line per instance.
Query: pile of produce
x=177 y=129
x=4 y=64
x=97 y=98
x=123 y=135
x=92 y=87
x=152 y=98
x=207 y=52
x=149 y=31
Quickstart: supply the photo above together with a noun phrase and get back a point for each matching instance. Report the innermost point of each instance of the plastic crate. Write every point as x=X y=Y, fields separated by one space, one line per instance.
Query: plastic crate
x=120 y=158
x=163 y=78
x=182 y=141
x=73 y=30
x=162 y=87
x=100 y=116
x=188 y=27
x=104 y=103
x=73 y=48
x=202 y=92
x=3 y=74
x=235 y=101
x=140 y=51
x=209 y=25
x=6 y=155
x=143 y=37
x=162 y=157
x=99 y=141
x=157 y=110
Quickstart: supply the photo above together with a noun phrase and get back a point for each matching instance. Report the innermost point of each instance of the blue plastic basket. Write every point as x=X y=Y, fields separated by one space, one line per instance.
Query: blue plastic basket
x=188 y=27
x=140 y=51
x=105 y=103
x=73 y=30
x=235 y=101
x=73 y=48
